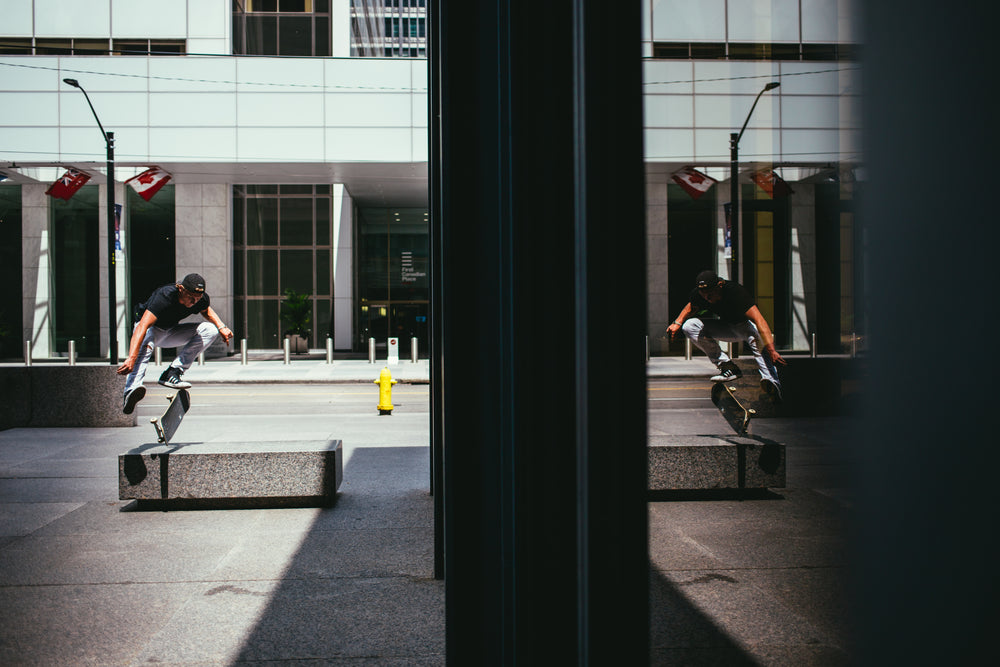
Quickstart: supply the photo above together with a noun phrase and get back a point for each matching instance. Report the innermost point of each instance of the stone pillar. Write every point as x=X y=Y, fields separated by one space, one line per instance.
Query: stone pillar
x=35 y=272
x=659 y=315
x=203 y=245
x=343 y=268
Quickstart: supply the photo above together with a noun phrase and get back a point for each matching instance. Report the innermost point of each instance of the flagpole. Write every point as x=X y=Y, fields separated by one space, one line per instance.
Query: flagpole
x=734 y=188
x=109 y=140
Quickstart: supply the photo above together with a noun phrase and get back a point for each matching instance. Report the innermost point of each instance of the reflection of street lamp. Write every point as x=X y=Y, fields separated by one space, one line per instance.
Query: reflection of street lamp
x=734 y=187
x=109 y=140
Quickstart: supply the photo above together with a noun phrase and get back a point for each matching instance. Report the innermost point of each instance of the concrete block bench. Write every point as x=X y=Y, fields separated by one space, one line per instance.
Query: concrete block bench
x=232 y=474
x=716 y=463
x=62 y=396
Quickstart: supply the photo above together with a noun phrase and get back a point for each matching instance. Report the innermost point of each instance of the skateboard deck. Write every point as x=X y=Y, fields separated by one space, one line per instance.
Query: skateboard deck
x=166 y=425
x=738 y=415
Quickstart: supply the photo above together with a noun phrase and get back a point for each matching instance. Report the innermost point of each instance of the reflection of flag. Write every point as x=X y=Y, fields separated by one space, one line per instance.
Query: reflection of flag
x=149 y=182
x=771 y=183
x=693 y=181
x=68 y=184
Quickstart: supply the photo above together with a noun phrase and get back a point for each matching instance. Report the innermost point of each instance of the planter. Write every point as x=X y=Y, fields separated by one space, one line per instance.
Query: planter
x=297 y=344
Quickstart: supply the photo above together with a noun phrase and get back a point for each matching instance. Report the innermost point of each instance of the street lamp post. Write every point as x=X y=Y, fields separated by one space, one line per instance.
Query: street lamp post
x=734 y=188
x=109 y=140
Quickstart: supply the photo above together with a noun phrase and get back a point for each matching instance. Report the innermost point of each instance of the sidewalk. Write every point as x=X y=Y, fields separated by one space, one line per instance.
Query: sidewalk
x=85 y=580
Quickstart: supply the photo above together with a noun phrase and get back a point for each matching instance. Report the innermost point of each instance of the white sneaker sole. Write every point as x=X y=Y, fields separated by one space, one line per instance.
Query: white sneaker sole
x=176 y=385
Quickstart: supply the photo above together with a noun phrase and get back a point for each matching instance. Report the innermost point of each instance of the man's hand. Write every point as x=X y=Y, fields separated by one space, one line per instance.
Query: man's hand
x=226 y=333
x=126 y=366
x=673 y=329
x=773 y=355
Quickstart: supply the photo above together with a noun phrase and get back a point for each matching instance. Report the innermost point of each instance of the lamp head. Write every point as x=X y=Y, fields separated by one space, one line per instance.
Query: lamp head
x=72 y=82
x=772 y=85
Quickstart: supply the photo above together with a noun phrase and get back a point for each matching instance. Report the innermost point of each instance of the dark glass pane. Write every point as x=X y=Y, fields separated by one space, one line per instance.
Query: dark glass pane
x=265 y=5
x=10 y=272
x=322 y=36
x=321 y=6
x=262 y=189
x=262 y=272
x=262 y=221
x=297 y=271
x=323 y=272
x=321 y=320
x=295 y=36
x=262 y=35
x=708 y=50
x=150 y=241
x=292 y=5
x=263 y=324
x=239 y=279
x=296 y=221
x=75 y=272
x=323 y=236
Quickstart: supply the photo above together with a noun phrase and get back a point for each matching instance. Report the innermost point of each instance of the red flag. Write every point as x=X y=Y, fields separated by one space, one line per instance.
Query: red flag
x=771 y=183
x=693 y=181
x=68 y=184
x=149 y=182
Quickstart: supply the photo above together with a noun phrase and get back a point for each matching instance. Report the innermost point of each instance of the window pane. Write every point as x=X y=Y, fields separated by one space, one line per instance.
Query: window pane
x=296 y=221
x=150 y=241
x=262 y=221
x=322 y=36
x=262 y=323
x=323 y=222
x=262 y=272
x=262 y=35
x=297 y=270
x=323 y=272
x=295 y=36
x=75 y=272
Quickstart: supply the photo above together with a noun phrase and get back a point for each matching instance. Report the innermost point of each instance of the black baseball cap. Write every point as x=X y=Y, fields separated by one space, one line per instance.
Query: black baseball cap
x=707 y=279
x=193 y=283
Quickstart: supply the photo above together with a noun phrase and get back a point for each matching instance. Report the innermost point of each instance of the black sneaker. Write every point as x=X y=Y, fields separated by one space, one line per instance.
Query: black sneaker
x=727 y=371
x=132 y=398
x=771 y=389
x=172 y=378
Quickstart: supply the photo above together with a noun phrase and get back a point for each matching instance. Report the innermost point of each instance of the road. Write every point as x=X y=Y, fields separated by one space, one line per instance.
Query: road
x=275 y=400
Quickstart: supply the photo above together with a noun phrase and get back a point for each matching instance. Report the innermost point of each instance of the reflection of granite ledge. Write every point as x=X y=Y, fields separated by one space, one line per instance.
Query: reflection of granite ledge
x=708 y=462
x=232 y=474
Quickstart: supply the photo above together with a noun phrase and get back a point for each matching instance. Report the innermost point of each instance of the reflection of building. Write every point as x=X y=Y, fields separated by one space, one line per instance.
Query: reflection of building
x=298 y=150
x=283 y=151
x=705 y=64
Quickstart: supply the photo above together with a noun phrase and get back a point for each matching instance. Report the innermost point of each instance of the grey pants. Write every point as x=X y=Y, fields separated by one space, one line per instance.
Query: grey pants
x=190 y=337
x=706 y=334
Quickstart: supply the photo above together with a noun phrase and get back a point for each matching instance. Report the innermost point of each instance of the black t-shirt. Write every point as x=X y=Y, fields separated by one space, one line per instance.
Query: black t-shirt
x=165 y=303
x=731 y=308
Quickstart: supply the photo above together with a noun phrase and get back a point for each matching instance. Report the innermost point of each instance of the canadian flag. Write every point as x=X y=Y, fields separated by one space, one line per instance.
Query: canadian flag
x=693 y=181
x=68 y=184
x=771 y=183
x=149 y=182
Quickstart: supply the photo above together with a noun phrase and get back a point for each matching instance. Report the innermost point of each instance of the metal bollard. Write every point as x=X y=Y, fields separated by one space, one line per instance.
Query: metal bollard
x=647 y=349
x=72 y=353
x=413 y=350
x=688 y=352
x=329 y=350
x=243 y=352
x=812 y=352
x=201 y=358
x=27 y=353
x=371 y=350
x=288 y=351
x=158 y=357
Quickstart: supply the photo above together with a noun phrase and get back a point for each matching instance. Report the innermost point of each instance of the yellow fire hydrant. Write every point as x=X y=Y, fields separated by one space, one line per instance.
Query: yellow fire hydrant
x=385 y=383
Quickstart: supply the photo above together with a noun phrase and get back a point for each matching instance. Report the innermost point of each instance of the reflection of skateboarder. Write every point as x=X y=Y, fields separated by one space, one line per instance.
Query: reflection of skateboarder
x=159 y=326
x=739 y=320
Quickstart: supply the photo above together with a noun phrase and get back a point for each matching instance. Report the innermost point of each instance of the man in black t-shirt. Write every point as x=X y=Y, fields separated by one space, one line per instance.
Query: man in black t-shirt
x=739 y=320
x=160 y=326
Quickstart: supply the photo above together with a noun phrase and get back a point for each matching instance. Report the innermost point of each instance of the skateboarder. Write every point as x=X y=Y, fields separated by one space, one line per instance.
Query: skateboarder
x=159 y=326
x=739 y=320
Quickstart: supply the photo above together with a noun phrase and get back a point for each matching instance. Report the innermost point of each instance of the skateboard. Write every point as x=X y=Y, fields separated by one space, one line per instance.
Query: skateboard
x=166 y=425
x=738 y=415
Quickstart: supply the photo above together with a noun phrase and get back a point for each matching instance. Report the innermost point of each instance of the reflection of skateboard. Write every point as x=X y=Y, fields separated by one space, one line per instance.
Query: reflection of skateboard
x=167 y=424
x=738 y=416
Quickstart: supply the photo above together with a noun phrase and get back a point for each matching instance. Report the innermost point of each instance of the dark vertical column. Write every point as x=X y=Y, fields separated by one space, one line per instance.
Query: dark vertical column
x=540 y=322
